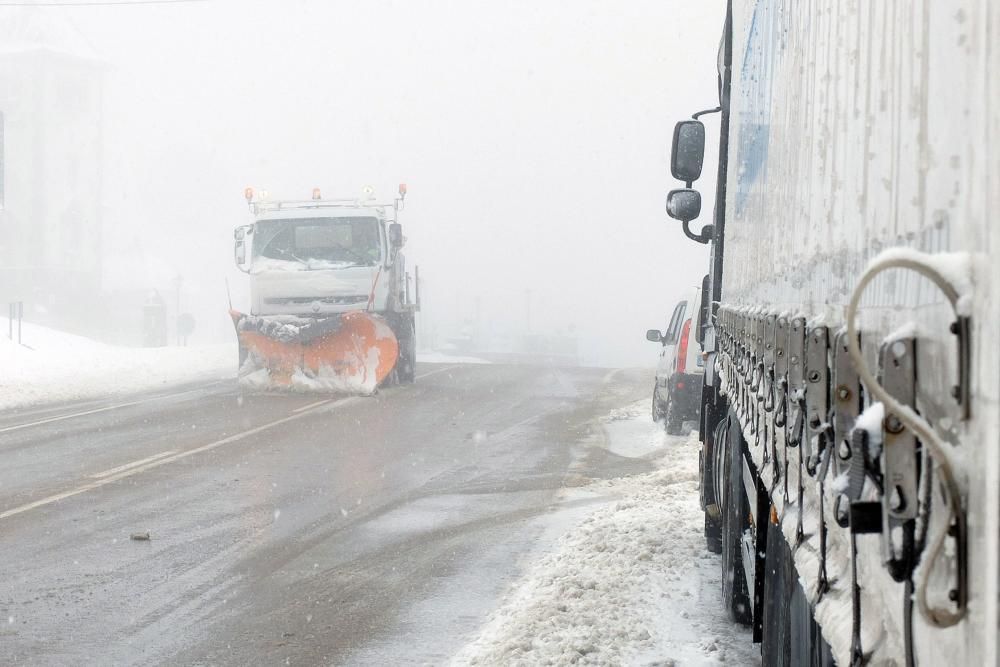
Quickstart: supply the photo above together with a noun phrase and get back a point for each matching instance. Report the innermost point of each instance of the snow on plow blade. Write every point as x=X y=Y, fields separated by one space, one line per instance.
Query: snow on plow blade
x=353 y=352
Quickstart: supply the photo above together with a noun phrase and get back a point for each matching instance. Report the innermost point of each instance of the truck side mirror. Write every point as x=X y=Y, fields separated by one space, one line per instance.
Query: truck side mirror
x=684 y=204
x=240 y=247
x=396 y=235
x=688 y=150
x=654 y=336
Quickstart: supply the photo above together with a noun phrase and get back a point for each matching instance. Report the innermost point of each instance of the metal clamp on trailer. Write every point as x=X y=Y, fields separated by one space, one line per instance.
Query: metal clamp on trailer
x=847 y=402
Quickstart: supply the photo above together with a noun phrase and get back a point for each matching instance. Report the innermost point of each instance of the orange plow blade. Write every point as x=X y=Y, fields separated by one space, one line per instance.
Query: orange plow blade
x=354 y=352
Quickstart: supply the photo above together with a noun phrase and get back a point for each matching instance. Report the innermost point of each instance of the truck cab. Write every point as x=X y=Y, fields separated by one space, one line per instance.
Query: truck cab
x=319 y=261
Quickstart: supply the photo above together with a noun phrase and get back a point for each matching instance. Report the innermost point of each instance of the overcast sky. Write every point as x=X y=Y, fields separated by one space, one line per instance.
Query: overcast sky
x=534 y=138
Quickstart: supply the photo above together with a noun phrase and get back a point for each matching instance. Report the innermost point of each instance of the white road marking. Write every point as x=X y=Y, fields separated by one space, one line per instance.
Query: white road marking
x=49 y=420
x=134 y=464
x=137 y=467
x=84 y=413
x=313 y=405
x=163 y=458
x=440 y=370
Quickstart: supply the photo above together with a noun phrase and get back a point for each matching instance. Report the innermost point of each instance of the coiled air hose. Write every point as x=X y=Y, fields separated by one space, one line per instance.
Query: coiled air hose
x=941 y=452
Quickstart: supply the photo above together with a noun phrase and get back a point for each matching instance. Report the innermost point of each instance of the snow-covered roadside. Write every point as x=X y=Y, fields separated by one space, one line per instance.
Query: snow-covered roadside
x=632 y=583
x=62 y=367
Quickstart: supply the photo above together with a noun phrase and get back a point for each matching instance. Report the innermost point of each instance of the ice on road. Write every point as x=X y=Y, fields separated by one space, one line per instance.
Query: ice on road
x=631 y=583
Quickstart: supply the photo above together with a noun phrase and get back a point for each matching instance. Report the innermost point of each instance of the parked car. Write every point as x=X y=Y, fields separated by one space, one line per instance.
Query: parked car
x=679 y=372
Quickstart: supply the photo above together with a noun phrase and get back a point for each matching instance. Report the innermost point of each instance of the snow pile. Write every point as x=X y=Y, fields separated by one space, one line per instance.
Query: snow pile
x=62 y=367
x=281 y=328
x=631 y=584
x=629 y=433
x=363 y=380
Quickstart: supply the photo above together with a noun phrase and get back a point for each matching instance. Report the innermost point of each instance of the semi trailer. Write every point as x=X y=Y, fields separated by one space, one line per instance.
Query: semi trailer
x=850 y=458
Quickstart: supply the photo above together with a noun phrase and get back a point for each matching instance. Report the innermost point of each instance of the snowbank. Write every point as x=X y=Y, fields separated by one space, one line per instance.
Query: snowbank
x=62 y=367
x=631 y=433
x=632 y=583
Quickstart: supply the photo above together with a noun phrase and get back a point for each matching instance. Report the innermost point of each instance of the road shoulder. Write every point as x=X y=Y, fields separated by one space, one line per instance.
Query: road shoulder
x=630 y=581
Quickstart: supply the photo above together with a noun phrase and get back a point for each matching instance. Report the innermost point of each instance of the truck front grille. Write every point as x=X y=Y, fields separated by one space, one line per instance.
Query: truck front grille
x=306 y=300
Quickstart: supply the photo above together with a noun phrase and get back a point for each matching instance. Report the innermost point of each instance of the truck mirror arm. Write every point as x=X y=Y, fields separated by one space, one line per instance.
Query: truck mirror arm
x=707 y=232
x=704 y=112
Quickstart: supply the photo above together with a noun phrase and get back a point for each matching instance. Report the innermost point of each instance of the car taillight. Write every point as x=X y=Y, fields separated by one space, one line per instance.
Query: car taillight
x=682 y=347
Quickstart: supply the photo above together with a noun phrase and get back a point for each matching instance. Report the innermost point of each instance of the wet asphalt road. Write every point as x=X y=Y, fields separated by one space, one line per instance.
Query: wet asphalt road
x=288 y=529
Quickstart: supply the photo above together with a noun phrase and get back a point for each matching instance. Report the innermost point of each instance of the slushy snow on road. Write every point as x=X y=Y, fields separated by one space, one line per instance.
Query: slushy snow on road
x=632 y=583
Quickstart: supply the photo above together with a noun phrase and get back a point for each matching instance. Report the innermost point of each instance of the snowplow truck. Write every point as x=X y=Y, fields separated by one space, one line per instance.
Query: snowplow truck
x=331 y=306
x=850 y=468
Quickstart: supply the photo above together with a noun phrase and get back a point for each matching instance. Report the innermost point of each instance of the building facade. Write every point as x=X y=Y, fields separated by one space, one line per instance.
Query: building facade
x=51 y=174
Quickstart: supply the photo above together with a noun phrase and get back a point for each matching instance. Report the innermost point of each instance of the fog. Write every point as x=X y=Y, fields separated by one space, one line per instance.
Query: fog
x=533 y=137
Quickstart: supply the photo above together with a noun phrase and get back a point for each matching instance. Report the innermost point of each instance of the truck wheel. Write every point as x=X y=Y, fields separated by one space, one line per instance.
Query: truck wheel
x=779 y=578
x=707 y=465
x=735 y=596
x=406 y=364
x=713 y=534
x=244 y=353
x=673 y=420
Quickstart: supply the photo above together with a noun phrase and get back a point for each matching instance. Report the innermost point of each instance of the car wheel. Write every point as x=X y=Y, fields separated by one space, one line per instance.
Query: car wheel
x=656 y=412
x=674 y=421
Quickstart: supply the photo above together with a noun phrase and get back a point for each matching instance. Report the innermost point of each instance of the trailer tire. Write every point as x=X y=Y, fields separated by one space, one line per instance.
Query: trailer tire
x=735 y=596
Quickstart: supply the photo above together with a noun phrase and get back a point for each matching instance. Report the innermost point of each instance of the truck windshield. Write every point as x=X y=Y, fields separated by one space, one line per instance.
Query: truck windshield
x=316 y=242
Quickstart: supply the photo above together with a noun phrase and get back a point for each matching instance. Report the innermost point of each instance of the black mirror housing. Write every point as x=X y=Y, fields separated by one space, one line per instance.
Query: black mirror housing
x=654 y=336
x=684 y=204
x=687 y=153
